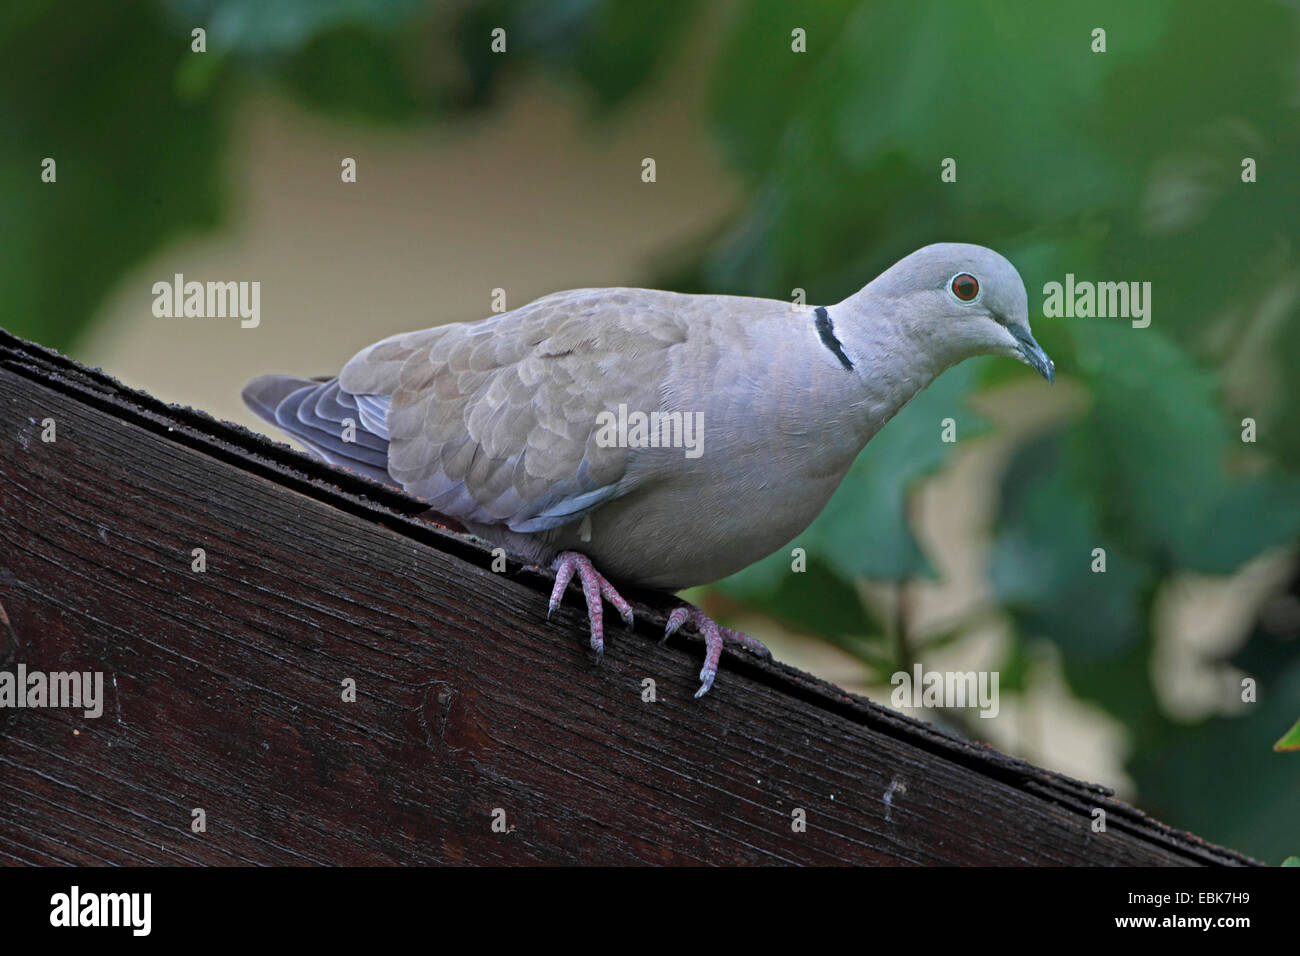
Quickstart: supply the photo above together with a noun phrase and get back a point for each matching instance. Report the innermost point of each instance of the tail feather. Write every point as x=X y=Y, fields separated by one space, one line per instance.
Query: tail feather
x=263 y=394
x=315 y=412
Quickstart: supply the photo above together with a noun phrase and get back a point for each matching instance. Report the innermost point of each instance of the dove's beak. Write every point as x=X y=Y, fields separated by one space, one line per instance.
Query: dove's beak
x=1032 y=353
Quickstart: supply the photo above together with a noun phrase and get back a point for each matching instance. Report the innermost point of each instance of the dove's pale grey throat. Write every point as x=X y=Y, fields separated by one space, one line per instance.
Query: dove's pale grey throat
x=494 y=423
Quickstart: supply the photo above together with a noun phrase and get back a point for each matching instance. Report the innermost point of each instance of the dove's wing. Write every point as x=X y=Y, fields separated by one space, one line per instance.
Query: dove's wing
x=495 y=421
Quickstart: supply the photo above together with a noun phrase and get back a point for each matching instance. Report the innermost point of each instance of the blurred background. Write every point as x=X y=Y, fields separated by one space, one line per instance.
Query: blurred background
x=775 y=169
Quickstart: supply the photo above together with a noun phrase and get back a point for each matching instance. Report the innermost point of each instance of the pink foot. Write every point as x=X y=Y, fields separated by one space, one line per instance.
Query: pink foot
x=714 y=635
x=594 y=587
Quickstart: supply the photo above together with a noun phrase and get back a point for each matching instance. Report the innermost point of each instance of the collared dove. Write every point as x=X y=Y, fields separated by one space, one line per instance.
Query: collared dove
x=507 y=424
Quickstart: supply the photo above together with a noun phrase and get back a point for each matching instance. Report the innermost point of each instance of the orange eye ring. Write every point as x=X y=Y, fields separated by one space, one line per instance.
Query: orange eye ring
x=965 y=286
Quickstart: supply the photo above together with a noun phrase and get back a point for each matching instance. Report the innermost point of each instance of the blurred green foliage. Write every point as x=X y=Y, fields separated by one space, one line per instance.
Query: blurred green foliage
x=1290 y=740
x=1122 y=165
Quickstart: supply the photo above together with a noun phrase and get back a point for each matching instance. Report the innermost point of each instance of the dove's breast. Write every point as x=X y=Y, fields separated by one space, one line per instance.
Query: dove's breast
x=684 y=533
x=776 y=423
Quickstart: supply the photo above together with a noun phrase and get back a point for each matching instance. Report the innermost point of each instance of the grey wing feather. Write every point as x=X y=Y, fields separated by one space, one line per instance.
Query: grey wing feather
x=495 y=421
x=374 y=414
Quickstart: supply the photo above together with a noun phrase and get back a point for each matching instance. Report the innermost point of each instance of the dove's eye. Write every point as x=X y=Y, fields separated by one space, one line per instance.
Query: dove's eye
x=965 y=286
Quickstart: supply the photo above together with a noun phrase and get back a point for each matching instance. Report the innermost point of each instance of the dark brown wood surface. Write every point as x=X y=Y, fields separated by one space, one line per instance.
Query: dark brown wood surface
x=224 y=688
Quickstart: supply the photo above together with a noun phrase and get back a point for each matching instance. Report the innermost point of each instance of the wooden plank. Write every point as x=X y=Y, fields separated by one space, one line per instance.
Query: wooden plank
x=224 y=688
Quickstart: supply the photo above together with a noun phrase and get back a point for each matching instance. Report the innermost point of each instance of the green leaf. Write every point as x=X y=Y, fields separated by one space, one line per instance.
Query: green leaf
x=612 y=47
x=755 y=97
x=1015 y=667
x=1043 y=558
x=1291 y=861
x=257 y=28
x=1154 y=452
x=357 y=72
x=1290 y=740
x=135 y=165
x=854 y=181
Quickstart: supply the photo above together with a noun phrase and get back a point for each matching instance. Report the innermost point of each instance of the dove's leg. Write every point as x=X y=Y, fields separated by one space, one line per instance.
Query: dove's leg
x=594 y=587
x=714 y=636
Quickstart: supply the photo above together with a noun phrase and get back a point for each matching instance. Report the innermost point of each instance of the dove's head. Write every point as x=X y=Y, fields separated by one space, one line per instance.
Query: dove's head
x=958 y=300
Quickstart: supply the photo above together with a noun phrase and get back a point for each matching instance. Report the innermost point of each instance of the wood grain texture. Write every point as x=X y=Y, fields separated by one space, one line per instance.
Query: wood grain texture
x=224 y=688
